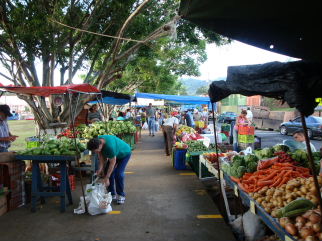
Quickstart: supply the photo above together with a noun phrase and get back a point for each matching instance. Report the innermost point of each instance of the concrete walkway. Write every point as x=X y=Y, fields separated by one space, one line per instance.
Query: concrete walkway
x=162 y=204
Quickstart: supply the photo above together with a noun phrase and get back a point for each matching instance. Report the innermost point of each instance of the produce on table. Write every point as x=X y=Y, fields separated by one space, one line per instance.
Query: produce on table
x=212 y=156
x=62 y=146
x=240 y=165
x=69 y=134
x=305 y=227
x=109 y=128
x=275 y=176
x=196 y=146
x=264 y=153
x=295 y=208
x=180 y=145
x=281 y=148
x=185 y=129
x=300 y=156
x=274 y=198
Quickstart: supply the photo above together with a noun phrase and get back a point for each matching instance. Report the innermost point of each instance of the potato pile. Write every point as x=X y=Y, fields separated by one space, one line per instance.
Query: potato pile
x=272 y=199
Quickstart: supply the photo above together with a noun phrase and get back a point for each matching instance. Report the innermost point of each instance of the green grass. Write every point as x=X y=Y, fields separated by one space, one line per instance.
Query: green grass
x=23 y=129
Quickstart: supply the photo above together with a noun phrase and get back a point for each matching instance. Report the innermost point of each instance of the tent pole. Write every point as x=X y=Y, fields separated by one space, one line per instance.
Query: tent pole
x=72 y=118
x=310 y=157
x=216 y=145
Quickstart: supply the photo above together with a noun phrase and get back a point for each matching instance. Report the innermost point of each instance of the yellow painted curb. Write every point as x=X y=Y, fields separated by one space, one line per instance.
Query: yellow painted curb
x=187 y=174
x=209 y=216
x=128 y=172
x=115 y=212
x=200 y=192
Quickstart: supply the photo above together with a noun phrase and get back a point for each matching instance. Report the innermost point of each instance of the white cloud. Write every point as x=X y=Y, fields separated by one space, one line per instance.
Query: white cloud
x=236 y=53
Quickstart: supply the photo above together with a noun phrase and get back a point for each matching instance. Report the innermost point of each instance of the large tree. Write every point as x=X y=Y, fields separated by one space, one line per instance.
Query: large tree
x=70 y=35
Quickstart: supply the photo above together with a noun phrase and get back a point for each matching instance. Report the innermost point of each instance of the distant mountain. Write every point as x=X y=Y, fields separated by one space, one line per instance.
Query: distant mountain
x=193 y=84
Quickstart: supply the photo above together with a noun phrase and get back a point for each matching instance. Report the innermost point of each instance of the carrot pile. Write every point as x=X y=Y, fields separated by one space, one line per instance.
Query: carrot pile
x=275 y=176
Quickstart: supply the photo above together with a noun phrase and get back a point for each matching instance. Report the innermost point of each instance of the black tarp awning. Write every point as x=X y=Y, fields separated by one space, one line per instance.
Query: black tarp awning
x=298 y=83
x=106 y=93
x=292 y=28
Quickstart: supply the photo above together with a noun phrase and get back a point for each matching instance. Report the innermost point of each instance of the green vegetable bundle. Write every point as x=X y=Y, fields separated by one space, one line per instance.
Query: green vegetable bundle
x=63 y=146
x=109 y=128
x=241 y=165
x=196 y=146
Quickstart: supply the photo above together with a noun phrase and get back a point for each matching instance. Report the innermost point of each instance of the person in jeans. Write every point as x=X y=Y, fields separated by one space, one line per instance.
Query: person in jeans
x=169 y=130
x=5 y=136
x=150 y=114
x=113 y=154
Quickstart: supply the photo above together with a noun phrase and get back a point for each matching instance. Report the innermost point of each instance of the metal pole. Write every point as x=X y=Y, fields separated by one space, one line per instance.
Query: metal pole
x=310 y=157
x=216 y=144
x=72 y=120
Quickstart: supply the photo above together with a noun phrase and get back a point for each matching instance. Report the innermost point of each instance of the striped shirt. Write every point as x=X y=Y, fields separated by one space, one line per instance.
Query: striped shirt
x=4 y=132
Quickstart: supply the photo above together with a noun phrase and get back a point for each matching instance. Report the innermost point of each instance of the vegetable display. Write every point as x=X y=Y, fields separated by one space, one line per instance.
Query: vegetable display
x=240 y=165
x=185 y=130
x=274 y=198
x=109 y=128
x=305 y=227
x=63 y=146
x=196 y=146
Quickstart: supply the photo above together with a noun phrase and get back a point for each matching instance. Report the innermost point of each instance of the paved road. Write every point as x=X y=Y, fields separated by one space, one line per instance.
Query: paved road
x=270 y=138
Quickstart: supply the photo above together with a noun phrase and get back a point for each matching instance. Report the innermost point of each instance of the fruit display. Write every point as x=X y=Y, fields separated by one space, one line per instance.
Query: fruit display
x=272 y=199
x=62 y=146
x=69 y=134
x=181 y=145
x=184 y=130
x=108 y=128
x=212 y=157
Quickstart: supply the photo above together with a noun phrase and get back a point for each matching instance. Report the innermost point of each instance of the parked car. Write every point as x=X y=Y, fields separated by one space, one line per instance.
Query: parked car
x=227 y=117
x=314 y=126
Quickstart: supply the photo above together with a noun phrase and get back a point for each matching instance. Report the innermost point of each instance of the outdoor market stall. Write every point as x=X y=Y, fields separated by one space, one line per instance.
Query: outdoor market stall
x=59 y=152
x=272 y=188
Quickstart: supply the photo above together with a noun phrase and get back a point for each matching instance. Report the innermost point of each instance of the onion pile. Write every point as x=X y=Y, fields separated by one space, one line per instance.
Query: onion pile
x=306 y=227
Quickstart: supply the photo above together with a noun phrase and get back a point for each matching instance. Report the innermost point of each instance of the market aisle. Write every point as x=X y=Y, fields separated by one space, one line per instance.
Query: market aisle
x=161 y=205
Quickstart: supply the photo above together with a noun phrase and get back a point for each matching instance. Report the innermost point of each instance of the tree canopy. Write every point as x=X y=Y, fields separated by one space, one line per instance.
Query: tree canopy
x=147 y=46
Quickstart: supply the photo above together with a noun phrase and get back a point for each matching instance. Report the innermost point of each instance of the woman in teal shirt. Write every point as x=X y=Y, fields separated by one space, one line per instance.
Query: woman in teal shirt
x=116 y=153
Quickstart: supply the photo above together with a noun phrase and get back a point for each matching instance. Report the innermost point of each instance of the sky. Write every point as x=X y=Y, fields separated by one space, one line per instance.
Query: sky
x=236 y=53
x=219 y=58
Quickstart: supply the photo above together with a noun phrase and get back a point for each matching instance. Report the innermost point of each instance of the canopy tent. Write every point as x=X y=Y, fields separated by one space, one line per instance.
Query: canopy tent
x=298 y=83
x=114 y=98
x=176 y=98
x=286 y=27
x=48 y=90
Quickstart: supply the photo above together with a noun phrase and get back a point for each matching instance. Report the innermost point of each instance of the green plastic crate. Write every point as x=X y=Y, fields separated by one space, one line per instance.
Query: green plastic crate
x=192 y=158
x=32 y=142
x=129 y=139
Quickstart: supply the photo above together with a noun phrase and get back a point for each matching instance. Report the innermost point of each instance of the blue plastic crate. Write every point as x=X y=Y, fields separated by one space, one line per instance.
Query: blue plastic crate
x=179 y=161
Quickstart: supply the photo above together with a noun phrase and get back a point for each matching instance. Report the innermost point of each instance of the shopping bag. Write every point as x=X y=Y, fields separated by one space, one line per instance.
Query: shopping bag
x=145 y=126
x=97 y=199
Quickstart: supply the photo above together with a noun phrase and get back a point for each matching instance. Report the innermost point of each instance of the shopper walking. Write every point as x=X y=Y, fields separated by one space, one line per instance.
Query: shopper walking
x=150 y=113
x=169 y=129
x=113 y=154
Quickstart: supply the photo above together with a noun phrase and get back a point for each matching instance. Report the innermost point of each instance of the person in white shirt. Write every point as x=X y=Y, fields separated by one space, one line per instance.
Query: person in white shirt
x=249 y=114
x=169 y=129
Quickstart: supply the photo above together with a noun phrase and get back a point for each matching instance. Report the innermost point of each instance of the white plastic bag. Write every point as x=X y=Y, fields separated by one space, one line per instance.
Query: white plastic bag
x=145 y=126
x=97 y=199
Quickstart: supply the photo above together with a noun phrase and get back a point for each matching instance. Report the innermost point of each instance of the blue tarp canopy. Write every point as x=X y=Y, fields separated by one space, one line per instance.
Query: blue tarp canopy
x=176 y=98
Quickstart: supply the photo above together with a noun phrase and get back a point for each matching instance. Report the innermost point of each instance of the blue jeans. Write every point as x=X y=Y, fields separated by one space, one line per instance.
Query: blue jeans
x=235 y=139
x=117 y=176
x=151 y=123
